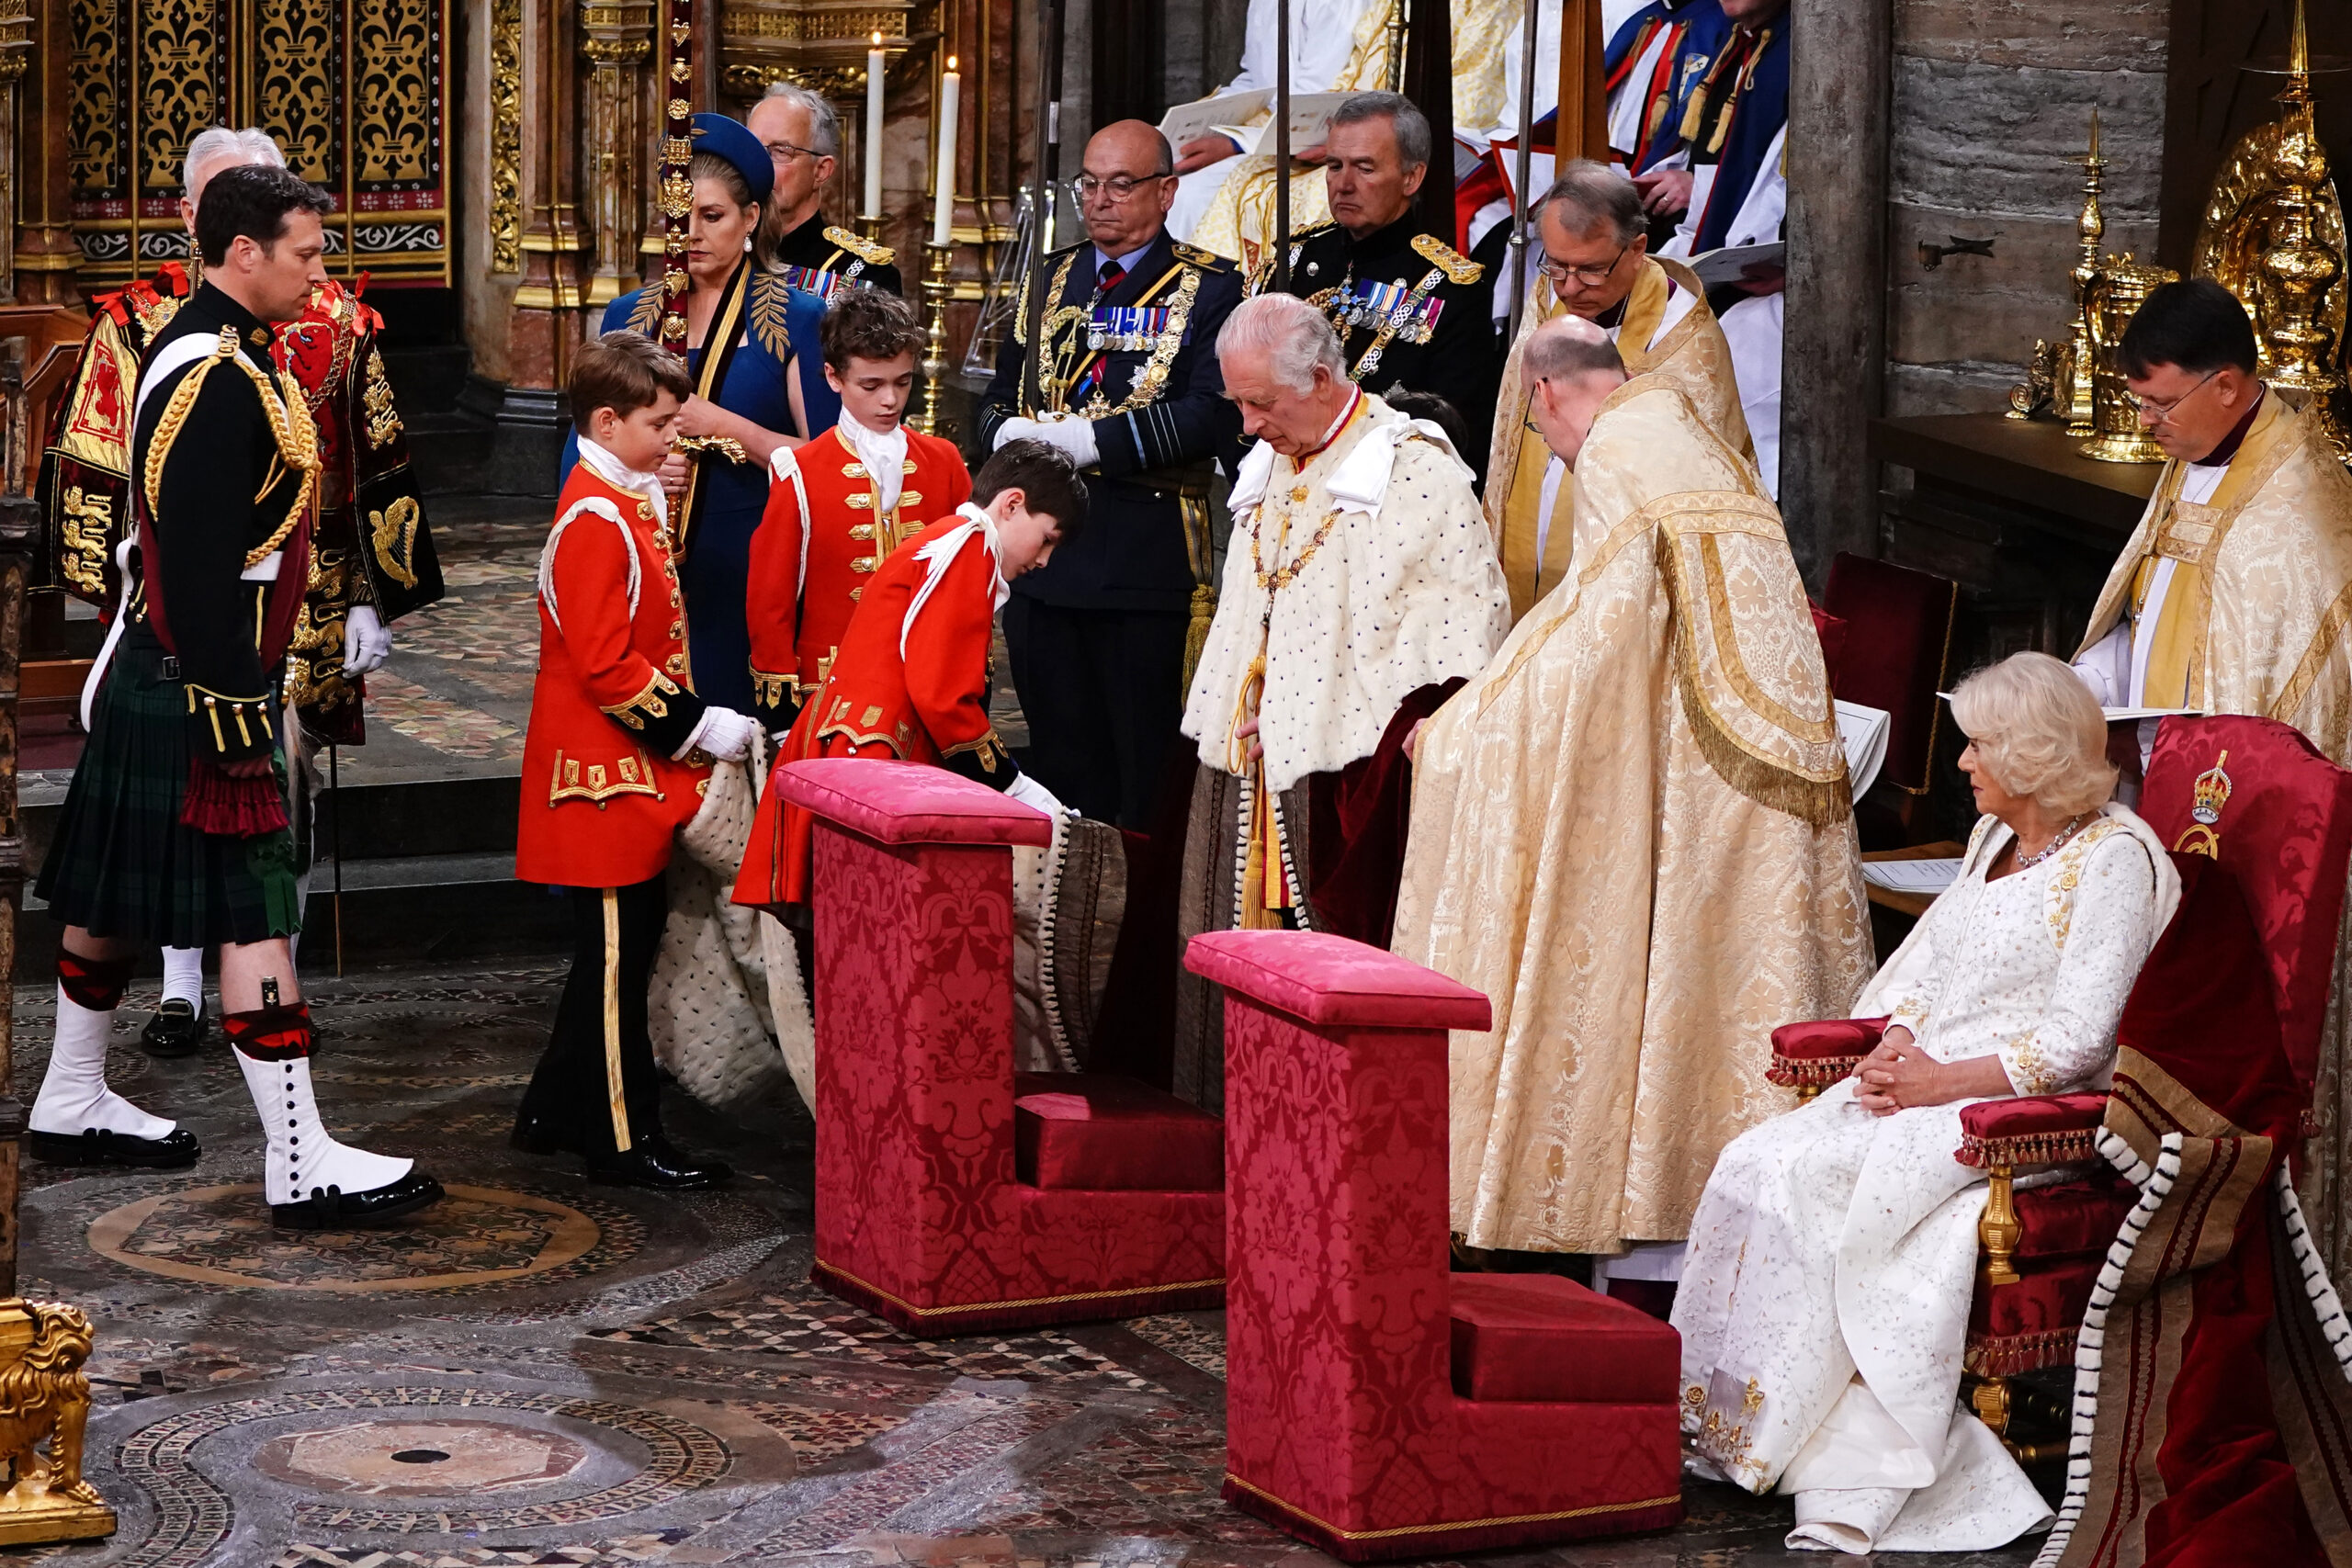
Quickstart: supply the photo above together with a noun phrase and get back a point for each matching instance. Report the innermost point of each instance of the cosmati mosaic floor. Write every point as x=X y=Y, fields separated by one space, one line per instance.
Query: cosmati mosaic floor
x=545 y=1373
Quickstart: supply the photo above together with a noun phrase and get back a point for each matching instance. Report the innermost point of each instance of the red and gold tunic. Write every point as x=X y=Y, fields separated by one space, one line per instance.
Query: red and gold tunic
x=602 y=796
x=370 y=544
x=821 y=539
x=911 y=681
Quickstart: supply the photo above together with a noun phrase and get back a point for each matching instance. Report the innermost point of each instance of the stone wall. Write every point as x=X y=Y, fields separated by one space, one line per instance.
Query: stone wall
x=1992 y=102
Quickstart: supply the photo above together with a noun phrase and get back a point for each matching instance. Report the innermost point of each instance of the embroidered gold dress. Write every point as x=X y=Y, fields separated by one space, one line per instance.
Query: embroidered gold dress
x=1631 y=832
x=1824 y=1304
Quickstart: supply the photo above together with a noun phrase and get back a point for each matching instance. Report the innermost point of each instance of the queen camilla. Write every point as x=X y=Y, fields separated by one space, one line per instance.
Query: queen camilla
x=1824 y=1303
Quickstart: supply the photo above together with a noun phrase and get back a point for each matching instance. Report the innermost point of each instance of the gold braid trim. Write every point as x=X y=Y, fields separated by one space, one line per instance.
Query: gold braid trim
x=289 y=425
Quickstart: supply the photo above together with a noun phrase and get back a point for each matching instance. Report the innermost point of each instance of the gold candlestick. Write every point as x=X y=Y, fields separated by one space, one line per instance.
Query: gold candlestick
x=2074 y=396
x=937 y=258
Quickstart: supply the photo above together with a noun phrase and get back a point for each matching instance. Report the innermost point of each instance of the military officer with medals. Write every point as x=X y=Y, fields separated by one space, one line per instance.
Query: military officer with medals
x=1127 y=384
x=372 y=559
x=803 y=135
x=1410 y=308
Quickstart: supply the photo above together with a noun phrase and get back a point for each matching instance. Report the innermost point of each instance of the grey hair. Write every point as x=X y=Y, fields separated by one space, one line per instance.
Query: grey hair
x=825 y=120
x=1411 y=126
x=1597 y=193
x=1295 y=334
x=1555 y=351
x=2038 y=730
x=221 y=145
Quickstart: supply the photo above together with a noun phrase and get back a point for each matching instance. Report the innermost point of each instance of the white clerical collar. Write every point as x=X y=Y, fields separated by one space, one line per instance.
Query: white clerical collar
x=615 y=472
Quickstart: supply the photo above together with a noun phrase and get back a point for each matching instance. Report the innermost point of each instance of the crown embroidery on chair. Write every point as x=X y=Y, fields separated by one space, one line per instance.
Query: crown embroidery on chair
x=2211 y=793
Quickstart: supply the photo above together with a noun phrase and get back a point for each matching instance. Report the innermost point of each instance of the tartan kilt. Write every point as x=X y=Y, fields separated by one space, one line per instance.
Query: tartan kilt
x=122 y=864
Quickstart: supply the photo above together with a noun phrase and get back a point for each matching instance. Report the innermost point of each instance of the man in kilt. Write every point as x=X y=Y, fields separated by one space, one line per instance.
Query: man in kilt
x=371 y=560
x=175 y=829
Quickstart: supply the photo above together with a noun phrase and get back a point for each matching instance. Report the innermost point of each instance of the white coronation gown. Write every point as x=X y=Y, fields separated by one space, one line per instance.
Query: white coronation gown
x=1823 y=1305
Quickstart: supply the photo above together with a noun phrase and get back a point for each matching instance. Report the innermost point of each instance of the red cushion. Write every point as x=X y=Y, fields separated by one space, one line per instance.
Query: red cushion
x=1107 y=1133
x=1829 y=1037
x=2073 y=1219
x=2051 y=1296
x=2284 y=830
x=910 y=802
x=2031 y=1129
x=1538 y=1336
x=1331 y=980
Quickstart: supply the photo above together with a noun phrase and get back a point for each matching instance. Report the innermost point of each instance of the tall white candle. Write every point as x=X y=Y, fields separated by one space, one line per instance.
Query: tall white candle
x=874 y=73
x=943 y=211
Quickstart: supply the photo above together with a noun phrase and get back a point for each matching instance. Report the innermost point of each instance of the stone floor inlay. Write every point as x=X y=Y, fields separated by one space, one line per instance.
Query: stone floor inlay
x=616 y=1378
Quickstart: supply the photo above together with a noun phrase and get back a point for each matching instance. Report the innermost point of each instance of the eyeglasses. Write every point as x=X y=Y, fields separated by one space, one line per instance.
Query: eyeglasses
x=2156 y=412
x=1590 y=277
x=1117 y=189
x=784 y=152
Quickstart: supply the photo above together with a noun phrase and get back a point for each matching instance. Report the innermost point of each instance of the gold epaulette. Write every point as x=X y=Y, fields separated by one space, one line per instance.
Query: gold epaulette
x=867 y=251
x=1456 y=266
x=1199 y=257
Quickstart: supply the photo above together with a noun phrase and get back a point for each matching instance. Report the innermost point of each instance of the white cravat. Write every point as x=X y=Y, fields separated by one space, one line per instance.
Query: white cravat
x=885 y=456
x=615 y=472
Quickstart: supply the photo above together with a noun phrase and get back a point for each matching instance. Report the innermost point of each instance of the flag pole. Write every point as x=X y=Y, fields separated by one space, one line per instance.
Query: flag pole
x=1041 y=212
x=1282 y=146
x=1519 y=203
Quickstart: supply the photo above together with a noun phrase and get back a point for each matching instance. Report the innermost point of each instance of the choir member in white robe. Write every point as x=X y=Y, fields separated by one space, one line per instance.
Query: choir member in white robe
x=1824 y=1304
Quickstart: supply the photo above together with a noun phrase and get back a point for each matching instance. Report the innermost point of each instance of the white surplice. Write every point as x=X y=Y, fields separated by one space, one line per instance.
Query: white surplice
x=1824 y=1304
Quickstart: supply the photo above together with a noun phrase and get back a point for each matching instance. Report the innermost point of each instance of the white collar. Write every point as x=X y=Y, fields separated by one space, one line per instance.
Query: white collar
x=615 y=472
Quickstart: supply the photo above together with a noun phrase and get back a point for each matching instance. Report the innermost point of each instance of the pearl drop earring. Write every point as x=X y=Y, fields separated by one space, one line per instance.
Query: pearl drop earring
x=747 y=243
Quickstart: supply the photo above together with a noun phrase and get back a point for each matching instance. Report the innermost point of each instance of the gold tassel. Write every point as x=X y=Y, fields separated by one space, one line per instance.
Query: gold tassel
x=1196 y=635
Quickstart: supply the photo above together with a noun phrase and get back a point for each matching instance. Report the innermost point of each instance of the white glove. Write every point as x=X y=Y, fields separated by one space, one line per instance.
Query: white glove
x=1073 y=436
x=1025 y=789
x=366 y=641
x=724 y=733
x=1018 y=429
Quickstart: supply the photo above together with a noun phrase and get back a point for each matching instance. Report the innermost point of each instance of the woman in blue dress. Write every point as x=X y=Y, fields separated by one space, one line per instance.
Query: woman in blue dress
x=762 y=386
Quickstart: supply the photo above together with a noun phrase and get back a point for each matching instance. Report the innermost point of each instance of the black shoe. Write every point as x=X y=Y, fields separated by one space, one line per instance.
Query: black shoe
x=536 y=1135
x=654 y=1164
x=175 y=1150
x=176 y=1029
x=330 y=1208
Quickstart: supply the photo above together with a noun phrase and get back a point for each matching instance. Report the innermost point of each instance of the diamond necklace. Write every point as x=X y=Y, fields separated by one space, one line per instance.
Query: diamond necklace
x=2051 y=848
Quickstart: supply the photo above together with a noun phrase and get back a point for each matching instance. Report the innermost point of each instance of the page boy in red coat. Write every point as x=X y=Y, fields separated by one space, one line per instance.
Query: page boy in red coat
x=617 y=759
x=911 y=680
x=841 y=504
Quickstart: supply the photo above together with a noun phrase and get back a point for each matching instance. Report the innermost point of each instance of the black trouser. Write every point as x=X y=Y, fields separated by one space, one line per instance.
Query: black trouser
x=1104 y=692
x=600 y=1026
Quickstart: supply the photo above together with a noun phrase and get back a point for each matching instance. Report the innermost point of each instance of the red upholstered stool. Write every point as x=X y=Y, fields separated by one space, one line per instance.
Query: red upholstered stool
x=1348 y=1344
x=1099 y=1131
x=921 y=1214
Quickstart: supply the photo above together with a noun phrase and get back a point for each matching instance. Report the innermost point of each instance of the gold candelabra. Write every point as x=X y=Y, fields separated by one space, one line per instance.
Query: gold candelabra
x=2123 y=285
x=2076 y=391
x=936 y=288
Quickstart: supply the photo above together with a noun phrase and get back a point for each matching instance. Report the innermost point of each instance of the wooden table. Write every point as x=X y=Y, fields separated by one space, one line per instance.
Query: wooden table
x=1912 y=904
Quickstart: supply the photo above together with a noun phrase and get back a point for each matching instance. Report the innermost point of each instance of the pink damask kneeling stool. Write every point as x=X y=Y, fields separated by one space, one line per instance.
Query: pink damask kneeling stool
x=1375 y=1405
x=942 y=1205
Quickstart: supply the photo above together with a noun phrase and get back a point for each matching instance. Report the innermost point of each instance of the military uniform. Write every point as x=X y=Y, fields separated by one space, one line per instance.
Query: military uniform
x=610 y=775
x=158 y=842
x=1099 y=636
x=911 y=681
x=370 y=542
x=1410 y=310
x=821 y=257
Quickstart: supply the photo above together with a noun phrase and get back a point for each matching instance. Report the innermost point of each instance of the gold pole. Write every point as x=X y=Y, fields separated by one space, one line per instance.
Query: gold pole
x=677 y=151
x=937 y=259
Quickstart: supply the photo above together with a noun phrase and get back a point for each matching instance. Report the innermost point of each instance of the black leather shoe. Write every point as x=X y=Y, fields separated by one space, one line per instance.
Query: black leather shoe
x=653 y=1163
x=330 y=1208
x=176 y=1029
x=175 y=1150
x=536 y=1135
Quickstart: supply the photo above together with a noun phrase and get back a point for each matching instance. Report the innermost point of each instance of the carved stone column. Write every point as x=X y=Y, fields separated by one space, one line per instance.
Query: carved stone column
x=547 y=322
x=617 y=38
x=36 y=59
